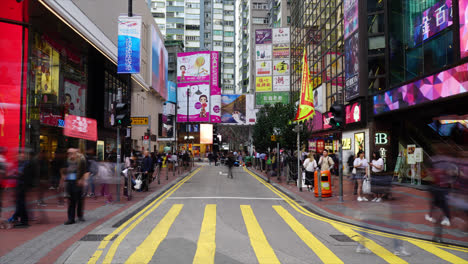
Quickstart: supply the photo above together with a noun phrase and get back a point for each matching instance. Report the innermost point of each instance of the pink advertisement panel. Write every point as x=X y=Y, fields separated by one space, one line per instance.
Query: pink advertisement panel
x=443 y=84
x=215 y=89
x=350 y=16
x=463 y=7
x=353 y=113
x=193 y=66
x=197 y=95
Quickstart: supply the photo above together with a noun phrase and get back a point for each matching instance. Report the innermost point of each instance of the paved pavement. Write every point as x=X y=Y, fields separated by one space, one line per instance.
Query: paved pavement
x=404 y=214
x=208 y=218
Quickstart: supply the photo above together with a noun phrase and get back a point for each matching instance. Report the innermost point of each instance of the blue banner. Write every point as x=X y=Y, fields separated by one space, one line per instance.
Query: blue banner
x=172 y=92
x=129 y=38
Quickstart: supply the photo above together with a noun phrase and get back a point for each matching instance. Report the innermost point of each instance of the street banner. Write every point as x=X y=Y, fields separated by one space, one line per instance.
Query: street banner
x=351 y=22
x=262 y=99
x=305 y=109
x=215 y=103
x=193 y=66
x=198 y=94
x=250 y=111
x=159 y=64
x=129 y=38
x=80 y=127
x=233 y=108
x=263 y=84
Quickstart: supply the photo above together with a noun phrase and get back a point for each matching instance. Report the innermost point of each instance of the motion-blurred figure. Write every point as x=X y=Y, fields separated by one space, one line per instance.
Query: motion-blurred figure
x=75 y=179
x=25 y=173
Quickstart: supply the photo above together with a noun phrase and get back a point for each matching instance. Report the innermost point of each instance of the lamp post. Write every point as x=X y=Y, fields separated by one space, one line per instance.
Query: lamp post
x=187 y=124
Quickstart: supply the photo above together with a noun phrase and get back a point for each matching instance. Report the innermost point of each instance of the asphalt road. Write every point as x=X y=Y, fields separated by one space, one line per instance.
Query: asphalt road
x=208 y=218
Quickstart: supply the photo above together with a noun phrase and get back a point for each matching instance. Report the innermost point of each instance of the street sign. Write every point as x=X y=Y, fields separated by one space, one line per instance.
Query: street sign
x=273 y=138
x=139 y=120
x=146 y=137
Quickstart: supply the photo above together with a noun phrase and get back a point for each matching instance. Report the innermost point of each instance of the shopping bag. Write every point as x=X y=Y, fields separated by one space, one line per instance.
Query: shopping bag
x=138 y=183
x=366 y=186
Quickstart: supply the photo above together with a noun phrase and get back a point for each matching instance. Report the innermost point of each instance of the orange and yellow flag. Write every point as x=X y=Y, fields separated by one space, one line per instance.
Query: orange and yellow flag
x=306 y=107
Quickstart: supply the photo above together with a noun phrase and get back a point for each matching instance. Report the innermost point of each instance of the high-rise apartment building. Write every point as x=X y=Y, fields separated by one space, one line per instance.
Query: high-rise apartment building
x=202 y=25
x=280 y=13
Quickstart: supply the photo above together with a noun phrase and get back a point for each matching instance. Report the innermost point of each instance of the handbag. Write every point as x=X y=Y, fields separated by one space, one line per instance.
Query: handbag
x=138 y=183
x=366 y=186
x=353 y=171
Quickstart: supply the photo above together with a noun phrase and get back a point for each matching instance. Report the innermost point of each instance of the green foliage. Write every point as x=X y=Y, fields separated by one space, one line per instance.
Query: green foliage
x=277 y=116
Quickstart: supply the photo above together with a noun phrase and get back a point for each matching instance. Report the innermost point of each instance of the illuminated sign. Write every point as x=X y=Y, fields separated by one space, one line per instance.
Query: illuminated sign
x=353 y=113
x=432 y=21
x=381 y=138
x=206 y=134
x=346 y=143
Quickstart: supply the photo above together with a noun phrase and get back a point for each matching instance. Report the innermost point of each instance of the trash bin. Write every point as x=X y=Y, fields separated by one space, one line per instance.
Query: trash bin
x=325 y=182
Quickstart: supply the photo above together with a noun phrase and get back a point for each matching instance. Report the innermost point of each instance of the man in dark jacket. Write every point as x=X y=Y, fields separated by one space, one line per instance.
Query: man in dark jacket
x=26 y=172
x=146 y=168
x=75 y=177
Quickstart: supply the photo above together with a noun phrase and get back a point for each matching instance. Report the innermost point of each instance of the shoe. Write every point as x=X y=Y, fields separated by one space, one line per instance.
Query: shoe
x=430 y=219
x=69 y=222
x=378 y=200
x=81 y=219
x=445 y=222
x=401 y=252
x=359 y=199
x=365 y=199
x=20 y=225
x=375 y=199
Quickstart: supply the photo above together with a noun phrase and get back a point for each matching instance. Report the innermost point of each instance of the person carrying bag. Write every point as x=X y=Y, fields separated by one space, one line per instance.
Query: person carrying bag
x=310 y=166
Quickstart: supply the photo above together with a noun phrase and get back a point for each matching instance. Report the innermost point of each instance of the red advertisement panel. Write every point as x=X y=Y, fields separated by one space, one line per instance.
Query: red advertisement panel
x=326 y=120
x=353 y=113
x=80 y=127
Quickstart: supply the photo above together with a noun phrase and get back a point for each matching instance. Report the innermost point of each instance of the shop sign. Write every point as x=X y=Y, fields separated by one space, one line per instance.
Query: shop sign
x=312 y=146
x=410 y=149
x=271 y=98
x=320 y=145
x=381 y=139
x=52 y=120
x=346 y=143
x=263 y=84
x=326 y=120
x=353 y=113
x=129 y=35
x=383 y=155
x=80 y=127
x=418 y=155
x=139 y=120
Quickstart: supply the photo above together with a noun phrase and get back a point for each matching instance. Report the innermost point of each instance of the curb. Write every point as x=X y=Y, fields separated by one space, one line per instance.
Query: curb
x=321 y=212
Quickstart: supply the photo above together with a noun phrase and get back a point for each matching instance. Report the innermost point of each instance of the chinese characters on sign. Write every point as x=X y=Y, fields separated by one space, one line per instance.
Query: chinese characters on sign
x=271 y=98
x=263 y=84
x=129 y=34
x=281 y=83
x=80 y=127
x=432 y=21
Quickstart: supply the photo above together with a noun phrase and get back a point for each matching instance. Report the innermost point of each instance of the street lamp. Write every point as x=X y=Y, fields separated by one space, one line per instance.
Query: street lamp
x=187 y=123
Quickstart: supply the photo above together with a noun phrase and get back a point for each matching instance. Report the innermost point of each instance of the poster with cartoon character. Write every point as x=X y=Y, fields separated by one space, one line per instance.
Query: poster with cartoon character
x=198 y=102
x=193 y=66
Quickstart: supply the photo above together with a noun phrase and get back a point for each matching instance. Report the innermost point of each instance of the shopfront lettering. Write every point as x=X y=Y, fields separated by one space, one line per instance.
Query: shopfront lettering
x=381 y=138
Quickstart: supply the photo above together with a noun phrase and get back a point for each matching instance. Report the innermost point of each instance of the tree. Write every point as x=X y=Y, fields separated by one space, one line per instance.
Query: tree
x=277 y=116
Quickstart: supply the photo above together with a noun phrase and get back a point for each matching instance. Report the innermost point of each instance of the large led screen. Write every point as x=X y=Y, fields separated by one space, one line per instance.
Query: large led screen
x=432 y=21
x=206 y=134
x=463 y=15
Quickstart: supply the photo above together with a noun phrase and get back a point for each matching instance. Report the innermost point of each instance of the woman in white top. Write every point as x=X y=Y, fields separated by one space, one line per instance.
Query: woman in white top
x=361 y=165
x=310 y=165
x=377 y=167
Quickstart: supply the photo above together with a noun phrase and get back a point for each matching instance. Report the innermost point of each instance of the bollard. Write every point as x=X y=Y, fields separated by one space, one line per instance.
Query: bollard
x=319 y=184
x=159 y=175
x=167 y=172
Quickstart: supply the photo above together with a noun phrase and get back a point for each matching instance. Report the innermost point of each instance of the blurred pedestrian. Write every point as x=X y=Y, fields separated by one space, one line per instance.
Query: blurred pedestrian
x=146 y=168
x=75 y=178
x=25 y=175
x=92 y=169
x=361 y=165
x=352 y=171
x=378 y=182
x=310 y=165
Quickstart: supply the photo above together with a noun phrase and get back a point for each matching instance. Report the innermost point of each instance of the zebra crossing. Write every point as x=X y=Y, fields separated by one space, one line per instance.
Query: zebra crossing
x=320 y=250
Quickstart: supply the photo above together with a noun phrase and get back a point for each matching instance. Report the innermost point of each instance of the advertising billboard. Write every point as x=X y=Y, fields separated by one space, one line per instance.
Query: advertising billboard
x=326 y=120
x=215 y=103
x=263 y=36
x=263 y=84
x=206 y=134
x=159 y=64
x=129 y=42
x=250 y=111
x=280 y=51
x=80 y=127
x=280 y=35
x=263 y=52
x=193 y=66
x=351 y=67
x=263 y=68
x=350 y=17
x=432 y=21
x=262 y=99
x=233 y=108
x=281 y=67
x=353 y=113
x=281 y=83
x=171 y=92
x=463 y=15
x=197 y=95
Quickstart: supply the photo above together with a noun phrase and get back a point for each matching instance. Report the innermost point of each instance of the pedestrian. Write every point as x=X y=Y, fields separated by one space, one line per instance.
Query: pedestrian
x=352 y=171
x=325 y=162
x=210 y=157
x=75 y=178
x=378 y=183
x=230 y=163
x=361 y=165
x=92 y=169
x=25 y=174
x=147 y=168
x=310 y=166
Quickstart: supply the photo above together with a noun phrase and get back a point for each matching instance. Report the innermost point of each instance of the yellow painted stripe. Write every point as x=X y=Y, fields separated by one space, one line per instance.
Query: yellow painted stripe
x=370 y=244
x=449 y=257
x=95 y=257
x=206 y=246
x=260 y=245
x=113 y=248
x=145 y=251
x=305 y=212
x=324 y=253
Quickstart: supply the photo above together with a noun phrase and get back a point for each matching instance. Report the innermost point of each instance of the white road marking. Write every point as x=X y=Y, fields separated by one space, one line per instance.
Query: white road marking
x=225 y=197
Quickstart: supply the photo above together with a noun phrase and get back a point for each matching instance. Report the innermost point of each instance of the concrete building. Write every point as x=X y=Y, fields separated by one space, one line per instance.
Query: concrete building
x=280 y=13
x=207 y=25
x=251 y=16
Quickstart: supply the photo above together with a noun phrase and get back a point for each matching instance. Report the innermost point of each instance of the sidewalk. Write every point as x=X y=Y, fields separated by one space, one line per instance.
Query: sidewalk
x=51 y=215
x=404 y=214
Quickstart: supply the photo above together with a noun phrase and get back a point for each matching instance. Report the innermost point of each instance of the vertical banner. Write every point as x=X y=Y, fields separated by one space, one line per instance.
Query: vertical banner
x=206 y=134
x=129 y=37
x=463 y=15
x=250 y=111
x=172 y=92
x=159 y=64
x=351 y=14
x=198 y=94
x=351 y=36
x=215 y=89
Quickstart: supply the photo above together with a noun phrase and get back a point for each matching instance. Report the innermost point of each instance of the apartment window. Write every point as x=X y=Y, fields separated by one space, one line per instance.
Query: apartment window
x=217 y=11
x=170 y=14
x=259 y=20
x=228 y=44
x=218 y=32
x=192 y=5
x=229 y=23
x=228 y=12
x=159 y=15
x=171 y=25
x=260 y=6
x=217 y=43
x=192 y=38
x=180 y=26
x=228 y=34
x=192 y=27
x=162 y=27
x=180 y=37
x=207 y=35
x=170 y=3
x=218 y=22
x=192 y=16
